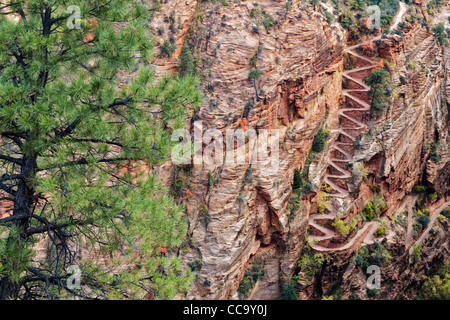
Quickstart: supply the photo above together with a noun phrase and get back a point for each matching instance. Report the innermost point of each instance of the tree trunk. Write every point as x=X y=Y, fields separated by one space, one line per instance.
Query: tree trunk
x=23 y=201
x=8 y=289
x=23 y=205
x=256 y=90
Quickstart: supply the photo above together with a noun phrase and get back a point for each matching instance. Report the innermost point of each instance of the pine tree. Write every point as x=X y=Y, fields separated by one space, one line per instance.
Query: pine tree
x=70 y=130
x=187 y=66
x=440 y=34
x=298 y=179
x=254 y=75
x=379 y=81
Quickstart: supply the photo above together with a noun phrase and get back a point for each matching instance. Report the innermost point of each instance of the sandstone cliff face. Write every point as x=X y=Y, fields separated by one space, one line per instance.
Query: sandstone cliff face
x=397 y=150
x=242 y=214
x=301 y=57
x=398 y=155
x=401 y=279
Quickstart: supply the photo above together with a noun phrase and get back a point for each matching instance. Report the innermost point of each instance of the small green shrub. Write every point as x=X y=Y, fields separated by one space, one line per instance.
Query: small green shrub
x=196 y=265
x=255 y=12
x=423 y=220
x=319 y=140
x=357 y=143
x=344 y=228
x=434 y=152
x=369 y=211
x=438 y=286
x=420 y=189
x=417 y=252
x=210 y=181
x=359 y=172
x=298 y=179
x=432 y=196
x=268 y=22
x=311 y=264
x=446 y=213
x=167 y=49
x=288 y=291
x=381 y=231
x=371 y=293
x=250 y=278
x=293 y=206
x=323 y=201
x=248 y=177
x=418 y=203
x=358 y=260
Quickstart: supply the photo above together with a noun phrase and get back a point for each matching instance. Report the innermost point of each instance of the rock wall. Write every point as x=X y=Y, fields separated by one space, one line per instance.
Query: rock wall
x=401 y=279
x=239 y=215
x=398 y=150
x=301 y=57
x=398 y=155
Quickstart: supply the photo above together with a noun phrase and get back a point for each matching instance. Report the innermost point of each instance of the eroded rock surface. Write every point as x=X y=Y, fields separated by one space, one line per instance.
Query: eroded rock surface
x=237 y=213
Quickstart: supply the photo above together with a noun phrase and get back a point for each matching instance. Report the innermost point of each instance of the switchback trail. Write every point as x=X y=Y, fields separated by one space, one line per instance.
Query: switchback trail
x=344 y=157
x=433 y=216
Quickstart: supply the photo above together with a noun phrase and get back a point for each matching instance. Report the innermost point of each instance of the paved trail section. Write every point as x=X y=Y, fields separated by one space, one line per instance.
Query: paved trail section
x=433 y=217
x=409 y=231
x=365 y=235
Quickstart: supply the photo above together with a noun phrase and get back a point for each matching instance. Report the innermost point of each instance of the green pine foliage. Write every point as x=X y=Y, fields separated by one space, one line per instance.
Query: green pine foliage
x=354 y=16
x=424 y=221
x=376 y=254
x=167 y=49
x=288 y=291
x=255 y=74
x=310 y=264
x=298 y=179
x=319 y=139
x=70 y=127
x=434 y=152
x=374 y=207
x=187 y=65
x=380 y=93
x=437 y=287
x=250 y=278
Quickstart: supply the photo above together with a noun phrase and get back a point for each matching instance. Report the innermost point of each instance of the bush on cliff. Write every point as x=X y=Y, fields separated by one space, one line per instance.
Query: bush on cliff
x=319 y=139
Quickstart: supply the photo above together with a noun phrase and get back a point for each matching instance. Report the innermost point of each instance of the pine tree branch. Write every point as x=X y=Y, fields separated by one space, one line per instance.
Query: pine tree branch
x=14 y=218
x=51 y=226
x=11 y=159
x=83 y=161
x=7 y=6
x=14 y=136
x=7 y=189
x=97 y=141
x=7 y=176
x=69 y=129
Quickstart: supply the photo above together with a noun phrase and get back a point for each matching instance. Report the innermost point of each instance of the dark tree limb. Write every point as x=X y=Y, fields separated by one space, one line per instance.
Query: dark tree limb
x=12 y=159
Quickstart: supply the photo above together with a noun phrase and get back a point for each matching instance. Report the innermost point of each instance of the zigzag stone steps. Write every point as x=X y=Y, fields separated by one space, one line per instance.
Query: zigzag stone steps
x=365 y=234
